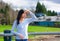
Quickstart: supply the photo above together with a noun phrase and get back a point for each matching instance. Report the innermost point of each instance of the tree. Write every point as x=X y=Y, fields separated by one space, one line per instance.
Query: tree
x=44 y=9
x=38 y=8
x=51 y=13
x=1 y=10
x=54 y=13
x=6 y=10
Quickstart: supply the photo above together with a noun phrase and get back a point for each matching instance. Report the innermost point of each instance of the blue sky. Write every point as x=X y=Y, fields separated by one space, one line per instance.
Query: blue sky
x=50 y=4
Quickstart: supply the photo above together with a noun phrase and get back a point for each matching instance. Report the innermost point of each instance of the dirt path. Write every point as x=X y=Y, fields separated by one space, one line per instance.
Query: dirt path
x=46 y=38
x=55 y=39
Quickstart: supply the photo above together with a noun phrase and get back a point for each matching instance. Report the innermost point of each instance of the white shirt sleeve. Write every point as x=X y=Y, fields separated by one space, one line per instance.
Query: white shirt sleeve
x=33 y=17
x=13 y=28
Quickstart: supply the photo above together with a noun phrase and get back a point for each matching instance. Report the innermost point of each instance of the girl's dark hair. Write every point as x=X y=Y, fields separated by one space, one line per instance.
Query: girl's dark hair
x=19 y=15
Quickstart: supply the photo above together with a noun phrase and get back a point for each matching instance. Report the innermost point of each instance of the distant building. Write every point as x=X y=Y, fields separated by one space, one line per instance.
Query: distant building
x=44 y=17
x=40 y=14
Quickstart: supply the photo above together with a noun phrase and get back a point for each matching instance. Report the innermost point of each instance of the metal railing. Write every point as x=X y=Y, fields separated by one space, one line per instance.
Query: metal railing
x=33 y=33
x=7 y=36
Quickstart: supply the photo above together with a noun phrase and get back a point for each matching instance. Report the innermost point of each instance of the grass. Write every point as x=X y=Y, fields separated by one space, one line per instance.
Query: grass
x=31 y=29
x=43 y=29
x=5 y=27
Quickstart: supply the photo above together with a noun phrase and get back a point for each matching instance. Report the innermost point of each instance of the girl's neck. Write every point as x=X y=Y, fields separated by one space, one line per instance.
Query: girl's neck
x=21 y=20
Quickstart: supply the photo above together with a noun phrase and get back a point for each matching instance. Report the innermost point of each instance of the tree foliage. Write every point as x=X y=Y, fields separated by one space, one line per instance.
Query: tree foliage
x=5 y=11
x=40 y=8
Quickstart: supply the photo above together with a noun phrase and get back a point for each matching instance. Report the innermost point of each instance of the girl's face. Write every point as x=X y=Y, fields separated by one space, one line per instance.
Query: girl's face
x=24 y=15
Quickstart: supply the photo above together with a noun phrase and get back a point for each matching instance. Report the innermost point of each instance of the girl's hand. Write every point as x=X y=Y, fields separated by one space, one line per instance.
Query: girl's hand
x=27 y=11
x=21 y=36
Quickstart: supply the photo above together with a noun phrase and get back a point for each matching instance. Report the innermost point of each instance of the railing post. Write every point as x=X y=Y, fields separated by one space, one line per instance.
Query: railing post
x=7 y=38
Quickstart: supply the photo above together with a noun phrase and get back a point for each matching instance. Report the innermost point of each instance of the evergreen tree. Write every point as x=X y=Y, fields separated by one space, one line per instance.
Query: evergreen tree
x=38 y=8
x=49 y=12
x=44 y=9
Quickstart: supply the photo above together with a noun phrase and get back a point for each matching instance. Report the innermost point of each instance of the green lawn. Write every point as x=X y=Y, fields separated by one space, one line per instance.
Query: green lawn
x=31 y=29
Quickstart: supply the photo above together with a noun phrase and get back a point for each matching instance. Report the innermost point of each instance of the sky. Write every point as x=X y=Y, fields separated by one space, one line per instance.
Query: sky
x=49 y=4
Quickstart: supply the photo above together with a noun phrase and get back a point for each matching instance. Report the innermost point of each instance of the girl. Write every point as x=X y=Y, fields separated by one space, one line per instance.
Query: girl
x=21 y=25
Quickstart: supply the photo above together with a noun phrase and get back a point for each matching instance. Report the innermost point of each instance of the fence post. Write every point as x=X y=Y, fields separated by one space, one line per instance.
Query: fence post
x=7 y=38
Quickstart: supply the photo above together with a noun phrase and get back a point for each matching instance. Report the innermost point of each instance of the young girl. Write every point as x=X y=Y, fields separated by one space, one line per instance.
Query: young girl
x=21 y=25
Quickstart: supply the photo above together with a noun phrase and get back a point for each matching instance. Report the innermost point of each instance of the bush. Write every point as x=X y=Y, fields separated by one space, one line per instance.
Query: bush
x=57 y=24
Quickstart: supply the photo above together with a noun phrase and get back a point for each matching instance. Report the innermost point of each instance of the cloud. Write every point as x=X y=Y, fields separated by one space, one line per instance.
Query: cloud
x=22 y=3
x=50 y=4
x=17 y=2
x=55 y=1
